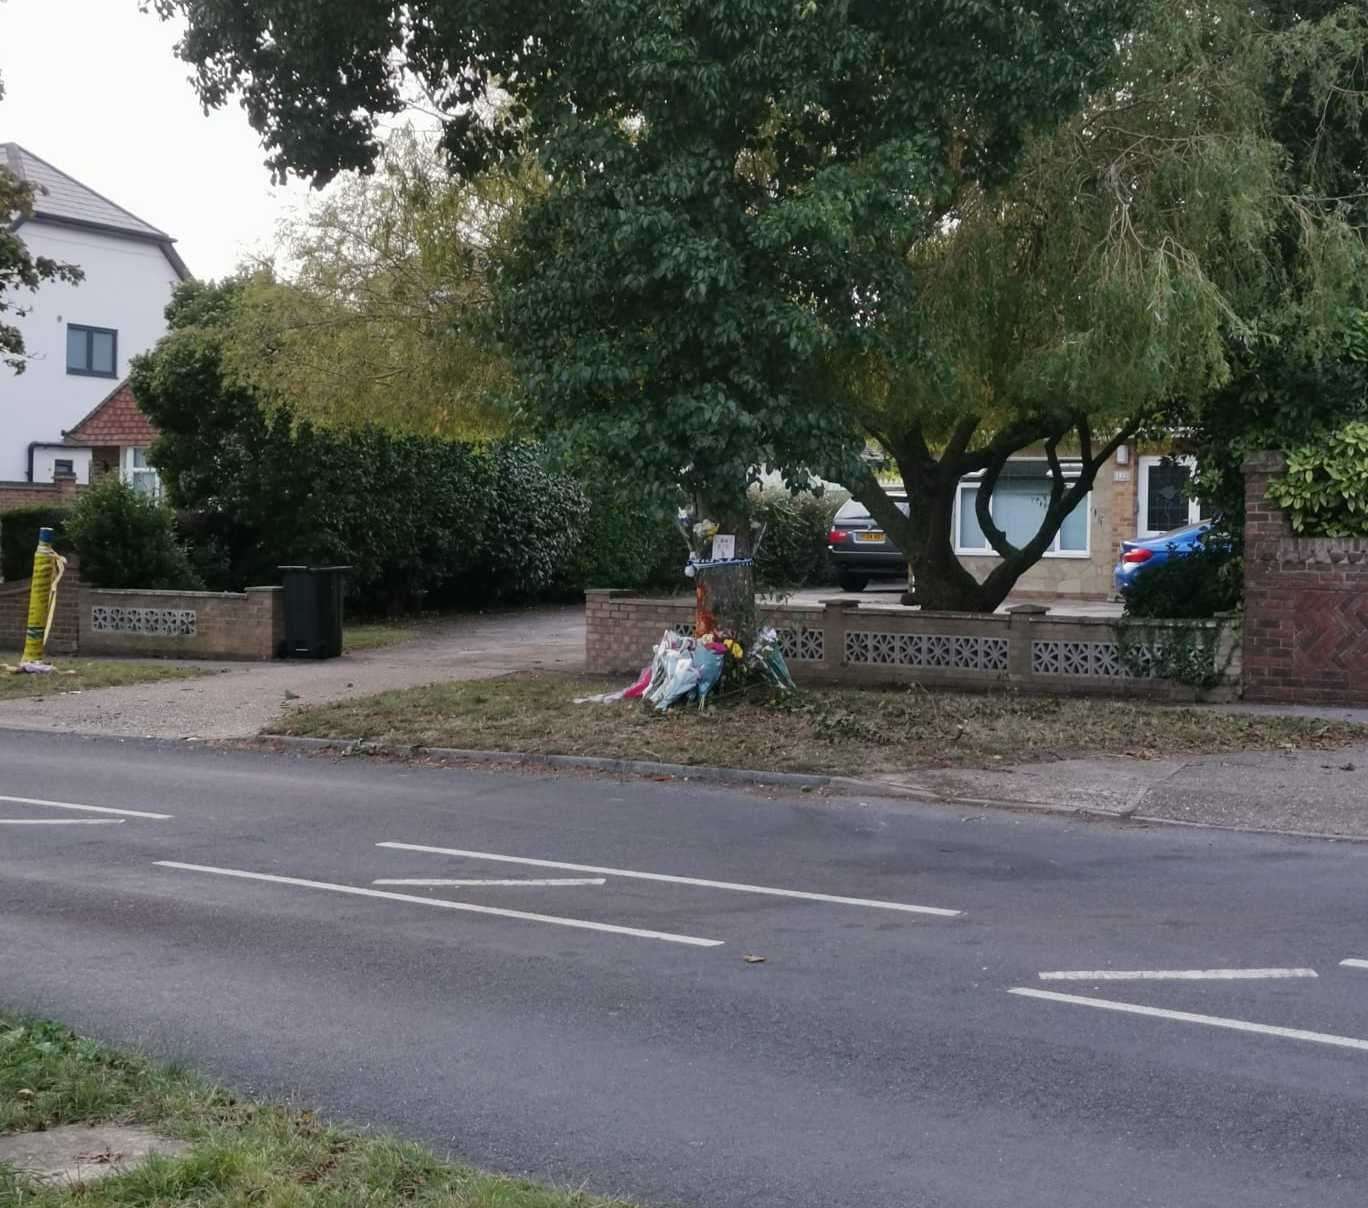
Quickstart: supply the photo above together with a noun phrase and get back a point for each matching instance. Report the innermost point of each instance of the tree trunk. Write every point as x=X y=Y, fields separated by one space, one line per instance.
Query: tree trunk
x=724 y=591
x=938 y=579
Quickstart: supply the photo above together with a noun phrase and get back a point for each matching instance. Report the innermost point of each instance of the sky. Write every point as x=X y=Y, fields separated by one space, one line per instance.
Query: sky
x=93 y=87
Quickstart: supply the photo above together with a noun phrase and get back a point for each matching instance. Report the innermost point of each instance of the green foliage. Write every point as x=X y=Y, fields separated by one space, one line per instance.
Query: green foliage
x=19 y=537
x=1195 y=655
x=126 y=539
x=1325 y=487
x=628 y=542
x=793 y=553
x=1138 y=252
x=381 y=318
x=729 y=181
x=420 y=519
x=1279 y=398
x=1197 y=586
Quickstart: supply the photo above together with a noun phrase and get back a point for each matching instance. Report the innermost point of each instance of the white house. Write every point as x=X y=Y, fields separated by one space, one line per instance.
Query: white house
x=79 y=338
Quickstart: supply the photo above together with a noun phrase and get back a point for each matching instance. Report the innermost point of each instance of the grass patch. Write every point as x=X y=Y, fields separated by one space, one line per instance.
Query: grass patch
x=374 y=635
x=843 y=731
x=80 y=675
x=243 y=1151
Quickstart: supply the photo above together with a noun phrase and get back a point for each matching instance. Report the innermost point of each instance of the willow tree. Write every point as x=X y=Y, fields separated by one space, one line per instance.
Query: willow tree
x=378 y=311
x=1065 y=311
x=725 y=178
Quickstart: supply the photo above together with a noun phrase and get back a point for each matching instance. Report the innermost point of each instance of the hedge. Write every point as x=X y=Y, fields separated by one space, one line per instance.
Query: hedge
x=19 y=536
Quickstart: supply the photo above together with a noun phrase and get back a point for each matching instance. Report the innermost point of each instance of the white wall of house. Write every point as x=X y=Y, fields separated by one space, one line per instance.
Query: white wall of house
x=46 y=457
x=128 y=283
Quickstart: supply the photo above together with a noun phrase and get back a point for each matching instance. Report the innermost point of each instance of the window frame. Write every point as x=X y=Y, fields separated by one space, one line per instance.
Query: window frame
x=129 y=470
x=90 y=334
x=1143 y=466
x=987 y=551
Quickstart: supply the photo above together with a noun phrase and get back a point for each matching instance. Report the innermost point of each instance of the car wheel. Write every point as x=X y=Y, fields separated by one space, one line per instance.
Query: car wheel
x=852 y=582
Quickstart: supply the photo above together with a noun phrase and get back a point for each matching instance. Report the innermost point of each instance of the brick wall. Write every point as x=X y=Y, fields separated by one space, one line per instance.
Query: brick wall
x=25 y=494
x=14 y=603
x=1306 y=605
x=846 y=642
x=183 y=624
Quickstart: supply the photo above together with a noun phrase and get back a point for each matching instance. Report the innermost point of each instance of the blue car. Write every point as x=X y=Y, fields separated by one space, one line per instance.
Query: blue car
x=1139 y=555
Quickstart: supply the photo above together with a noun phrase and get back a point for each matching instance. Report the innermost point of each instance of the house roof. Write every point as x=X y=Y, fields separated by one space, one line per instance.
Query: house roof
x=65 y=200
x=115 y=420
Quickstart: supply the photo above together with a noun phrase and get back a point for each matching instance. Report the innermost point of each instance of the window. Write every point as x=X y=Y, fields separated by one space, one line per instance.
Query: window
x=63 y=467
x=1163 y=498
x=92 y=351
x=1018 y=506
x=139 y=473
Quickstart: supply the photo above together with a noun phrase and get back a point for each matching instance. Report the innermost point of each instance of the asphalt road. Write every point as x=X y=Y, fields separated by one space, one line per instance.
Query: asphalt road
x=875 y=1057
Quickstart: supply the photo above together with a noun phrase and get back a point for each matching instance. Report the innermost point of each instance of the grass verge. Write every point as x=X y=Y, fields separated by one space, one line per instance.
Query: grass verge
x=839 y=731
x=242 y=1151
x=79 y=675
x=374 y=635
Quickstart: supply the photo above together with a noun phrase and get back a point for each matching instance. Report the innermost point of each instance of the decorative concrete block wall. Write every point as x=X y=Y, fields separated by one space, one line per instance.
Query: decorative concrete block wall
x=1028 y=649
x=183 y=624
x=1306 y=605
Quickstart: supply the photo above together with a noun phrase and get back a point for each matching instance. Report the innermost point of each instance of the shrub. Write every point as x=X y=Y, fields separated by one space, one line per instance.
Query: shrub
x=627 y=542
x=1325 y=488
x=19 y=536
x=793 y=552
x=126 y=539
x=1208 y=581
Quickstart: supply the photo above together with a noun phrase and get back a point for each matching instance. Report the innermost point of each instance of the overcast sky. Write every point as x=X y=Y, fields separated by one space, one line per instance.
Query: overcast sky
x=92 y=86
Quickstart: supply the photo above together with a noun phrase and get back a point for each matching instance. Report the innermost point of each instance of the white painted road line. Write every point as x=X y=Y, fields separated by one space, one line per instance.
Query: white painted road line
x=1173 y=974
x=872 y=903
x=62 y=821
x=1354 y=963
x=1213 y=1021
x=550 y=881
x=445 y=904
x=88 y=809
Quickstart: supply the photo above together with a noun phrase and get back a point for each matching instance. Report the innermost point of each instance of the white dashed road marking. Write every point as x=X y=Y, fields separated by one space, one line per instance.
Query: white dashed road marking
x=550 y=881
x=61 y=821
x=871 y=903
x=445 y=904
x=1173 y=974
x=1354 y=963
x=87 y=809
x=1211 y=1021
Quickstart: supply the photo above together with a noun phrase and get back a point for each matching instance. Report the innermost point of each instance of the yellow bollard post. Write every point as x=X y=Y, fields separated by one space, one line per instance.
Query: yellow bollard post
x=45 y=563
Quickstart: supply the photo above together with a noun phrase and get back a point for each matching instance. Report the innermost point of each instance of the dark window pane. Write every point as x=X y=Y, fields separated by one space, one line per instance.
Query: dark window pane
x=1167 y=507
x=76 y=348
x=102 y=352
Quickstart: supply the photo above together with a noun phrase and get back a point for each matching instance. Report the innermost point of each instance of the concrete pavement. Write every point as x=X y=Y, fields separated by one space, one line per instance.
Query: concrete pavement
x=238 y=699
x=615 y=1034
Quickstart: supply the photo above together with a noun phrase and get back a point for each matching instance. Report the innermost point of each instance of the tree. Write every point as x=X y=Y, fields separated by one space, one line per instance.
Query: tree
x=1295 y=381
x=419 y=519
x=1134 y=249
x=18 y=268
x=727 y=180
x=381 y=313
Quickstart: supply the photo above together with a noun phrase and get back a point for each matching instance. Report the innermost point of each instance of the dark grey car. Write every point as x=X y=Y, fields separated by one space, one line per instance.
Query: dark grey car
x=861 y=550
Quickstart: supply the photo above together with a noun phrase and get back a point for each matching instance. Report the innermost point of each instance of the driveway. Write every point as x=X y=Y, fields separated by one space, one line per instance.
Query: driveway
x=237 y=699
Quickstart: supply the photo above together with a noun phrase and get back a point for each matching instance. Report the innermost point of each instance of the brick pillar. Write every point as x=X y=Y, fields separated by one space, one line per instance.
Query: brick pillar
x=602 y=636
x=1270 y=624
